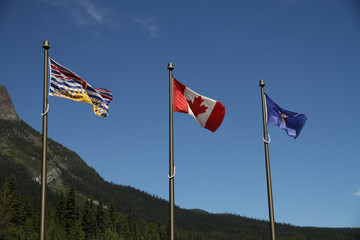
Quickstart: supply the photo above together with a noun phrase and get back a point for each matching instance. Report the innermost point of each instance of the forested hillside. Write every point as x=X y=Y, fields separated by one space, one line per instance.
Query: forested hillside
x=81 y=205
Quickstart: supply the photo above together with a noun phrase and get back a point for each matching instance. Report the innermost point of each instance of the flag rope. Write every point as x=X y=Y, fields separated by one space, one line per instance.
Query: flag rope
x=269 y=139
x=171 y=177
x=47 y=109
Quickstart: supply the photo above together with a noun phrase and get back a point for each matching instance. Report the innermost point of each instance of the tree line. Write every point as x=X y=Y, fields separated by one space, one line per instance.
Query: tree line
x=125 y=212
x=67 y=220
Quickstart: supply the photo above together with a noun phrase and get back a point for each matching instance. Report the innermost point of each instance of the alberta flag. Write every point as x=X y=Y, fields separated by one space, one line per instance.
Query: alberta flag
x=291 y=122
x=65 y=83
x=207 y=112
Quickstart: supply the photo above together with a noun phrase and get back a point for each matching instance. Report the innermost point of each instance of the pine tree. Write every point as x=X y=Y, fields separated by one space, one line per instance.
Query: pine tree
x=101 y=219
x=51 y=228
x=127 y=227
x=8 y=204
x=110 y=235
x=30 y=223
x=111 y=216
x=162 y=231
x=17 y=218
x=60 y=209
x=76 y=232
x=70 y=217
x=89 y=223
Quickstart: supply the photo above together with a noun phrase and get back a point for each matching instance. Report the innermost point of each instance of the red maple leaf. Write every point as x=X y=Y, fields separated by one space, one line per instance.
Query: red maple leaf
x=195 y=106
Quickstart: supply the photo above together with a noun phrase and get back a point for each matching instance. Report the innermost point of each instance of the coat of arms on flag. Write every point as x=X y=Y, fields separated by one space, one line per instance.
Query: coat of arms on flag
x=291 y=122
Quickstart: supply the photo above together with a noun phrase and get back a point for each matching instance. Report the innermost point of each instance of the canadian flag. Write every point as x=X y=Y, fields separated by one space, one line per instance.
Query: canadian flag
x=207 y=112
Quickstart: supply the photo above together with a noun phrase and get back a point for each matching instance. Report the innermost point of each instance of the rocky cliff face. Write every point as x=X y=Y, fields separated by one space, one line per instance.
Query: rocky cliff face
x=7 y=110
x=26 y=136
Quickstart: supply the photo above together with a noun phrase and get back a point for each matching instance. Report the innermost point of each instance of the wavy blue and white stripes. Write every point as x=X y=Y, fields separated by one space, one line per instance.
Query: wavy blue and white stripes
x=67 y=84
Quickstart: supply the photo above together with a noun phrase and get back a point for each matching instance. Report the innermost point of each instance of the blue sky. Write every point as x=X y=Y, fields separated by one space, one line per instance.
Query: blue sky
x=307 y=52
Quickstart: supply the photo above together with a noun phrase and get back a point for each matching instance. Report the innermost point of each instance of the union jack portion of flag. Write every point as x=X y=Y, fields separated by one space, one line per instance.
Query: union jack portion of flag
x=65 y=83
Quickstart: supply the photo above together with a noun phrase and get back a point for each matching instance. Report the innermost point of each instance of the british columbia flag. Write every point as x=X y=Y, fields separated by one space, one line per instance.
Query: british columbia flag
x=65 y=83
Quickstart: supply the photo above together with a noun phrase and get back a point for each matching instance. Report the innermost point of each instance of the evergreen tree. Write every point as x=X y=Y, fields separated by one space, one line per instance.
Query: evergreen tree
x=111 y=216
x=70 y=217
x=151 y=232
x=76 y=232
x=17 y=216
x=89 y=223
x=60 y=209
x=127 y=227
x=110 y=235
x=162 y=231
x=30 y=223
x=101 y=219
x=8 y=204
x=50 y=221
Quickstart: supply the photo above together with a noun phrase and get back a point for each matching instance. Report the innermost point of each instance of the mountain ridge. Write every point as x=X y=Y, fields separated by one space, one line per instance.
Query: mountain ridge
x=7 y=110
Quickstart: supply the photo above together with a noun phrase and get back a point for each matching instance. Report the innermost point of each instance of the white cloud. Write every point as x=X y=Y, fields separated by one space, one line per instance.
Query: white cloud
x=357 y=193
x=84 y=12
x=147 y=25
x=92 y=11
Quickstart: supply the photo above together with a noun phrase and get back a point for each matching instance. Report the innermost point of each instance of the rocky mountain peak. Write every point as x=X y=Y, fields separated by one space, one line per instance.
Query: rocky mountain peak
x=7 y=110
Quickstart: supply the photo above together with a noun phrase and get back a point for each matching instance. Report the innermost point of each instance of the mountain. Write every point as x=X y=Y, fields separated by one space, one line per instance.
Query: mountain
x=7 y=110
x=20 y=156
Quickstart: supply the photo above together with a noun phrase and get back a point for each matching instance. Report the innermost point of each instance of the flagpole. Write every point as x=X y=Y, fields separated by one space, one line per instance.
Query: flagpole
x=44 y=138
x=171 y=153
x=267 y=160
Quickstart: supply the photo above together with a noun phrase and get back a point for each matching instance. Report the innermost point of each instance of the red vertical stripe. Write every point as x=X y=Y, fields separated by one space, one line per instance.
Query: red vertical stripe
x=216 y=117
x=179 y=102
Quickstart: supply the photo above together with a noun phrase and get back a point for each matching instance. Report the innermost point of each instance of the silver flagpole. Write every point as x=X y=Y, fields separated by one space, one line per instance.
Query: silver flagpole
x=171 y=153
x=267 y=160
x=46 y=47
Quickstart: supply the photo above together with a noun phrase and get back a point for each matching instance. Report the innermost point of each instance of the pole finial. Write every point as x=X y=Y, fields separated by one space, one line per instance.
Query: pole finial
x=262 y=83
x=46 y=45
x=170 y=66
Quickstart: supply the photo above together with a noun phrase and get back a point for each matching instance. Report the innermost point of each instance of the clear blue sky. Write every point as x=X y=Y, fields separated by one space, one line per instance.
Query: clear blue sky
x=308 y=53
